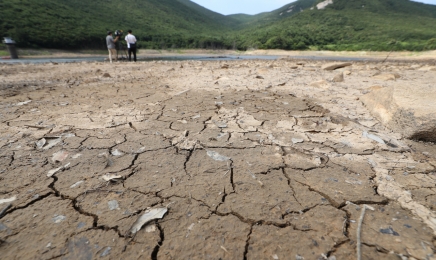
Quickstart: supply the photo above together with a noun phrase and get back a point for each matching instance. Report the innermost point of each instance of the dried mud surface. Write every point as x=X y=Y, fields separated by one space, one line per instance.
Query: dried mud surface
x=253 y=159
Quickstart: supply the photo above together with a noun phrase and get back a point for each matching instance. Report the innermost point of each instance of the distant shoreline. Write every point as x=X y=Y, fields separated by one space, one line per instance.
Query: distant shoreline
x=406 y=55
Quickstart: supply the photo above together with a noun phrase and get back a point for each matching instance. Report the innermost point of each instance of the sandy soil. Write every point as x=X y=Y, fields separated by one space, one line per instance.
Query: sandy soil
x=252 y=160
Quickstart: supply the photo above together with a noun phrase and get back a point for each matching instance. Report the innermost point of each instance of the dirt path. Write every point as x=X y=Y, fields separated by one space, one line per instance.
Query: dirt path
x=252 y=160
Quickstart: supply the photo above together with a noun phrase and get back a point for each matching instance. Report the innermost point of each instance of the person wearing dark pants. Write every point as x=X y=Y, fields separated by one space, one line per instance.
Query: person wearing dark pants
x=131 y=45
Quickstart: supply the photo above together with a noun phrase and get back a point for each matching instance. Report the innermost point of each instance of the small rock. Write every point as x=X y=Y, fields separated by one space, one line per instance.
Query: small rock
x=58 y=219
x=221 y=124
x=339 y=78
x=113 y=205
x=389 y=231
x=106 y=75
x=59 y=156
x=297 y=140
x=299 y=257
x=106 y=251
x=320 y=84
x=76 y=156
x=41 y=143
x=405 y=109
x=116 y=153
x=385 y=77
x=334 y=66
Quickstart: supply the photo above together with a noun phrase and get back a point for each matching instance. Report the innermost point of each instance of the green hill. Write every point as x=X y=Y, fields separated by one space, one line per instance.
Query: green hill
x=83 y=24
x=343 y=25
x=349 y=25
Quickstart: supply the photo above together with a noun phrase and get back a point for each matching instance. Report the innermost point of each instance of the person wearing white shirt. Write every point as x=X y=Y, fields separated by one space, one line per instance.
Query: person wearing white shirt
x=131 y=45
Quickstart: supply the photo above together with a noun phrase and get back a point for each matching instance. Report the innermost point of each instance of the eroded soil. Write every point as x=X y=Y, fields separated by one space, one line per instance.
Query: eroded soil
x=254 y=160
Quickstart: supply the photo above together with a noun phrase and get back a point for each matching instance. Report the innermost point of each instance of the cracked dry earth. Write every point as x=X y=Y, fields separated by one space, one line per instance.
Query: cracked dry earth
x=251 y=160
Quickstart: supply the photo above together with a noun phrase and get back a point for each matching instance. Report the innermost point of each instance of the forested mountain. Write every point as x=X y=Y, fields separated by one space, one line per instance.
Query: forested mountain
x=350 y=25
x=302 y=24
x=83 y=24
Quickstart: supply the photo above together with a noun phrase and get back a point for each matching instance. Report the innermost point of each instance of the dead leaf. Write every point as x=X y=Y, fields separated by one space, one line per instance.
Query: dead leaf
x=148 y=216
x=112 y=177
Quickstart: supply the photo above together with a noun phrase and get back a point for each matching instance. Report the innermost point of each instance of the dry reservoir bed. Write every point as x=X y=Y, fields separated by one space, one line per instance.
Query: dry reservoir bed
x=244 y=159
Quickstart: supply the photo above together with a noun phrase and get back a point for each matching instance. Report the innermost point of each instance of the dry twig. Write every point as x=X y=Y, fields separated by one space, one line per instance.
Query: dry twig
x=359 y=229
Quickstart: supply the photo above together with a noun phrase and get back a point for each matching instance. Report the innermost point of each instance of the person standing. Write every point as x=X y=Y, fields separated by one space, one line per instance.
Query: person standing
x=110 y=42
x=131 y=45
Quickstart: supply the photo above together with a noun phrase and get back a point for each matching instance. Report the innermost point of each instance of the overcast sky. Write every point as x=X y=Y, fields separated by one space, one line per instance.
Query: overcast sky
x=253 y=6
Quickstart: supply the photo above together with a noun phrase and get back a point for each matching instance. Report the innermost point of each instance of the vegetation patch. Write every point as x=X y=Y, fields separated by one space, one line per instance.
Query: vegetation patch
x=376 y=25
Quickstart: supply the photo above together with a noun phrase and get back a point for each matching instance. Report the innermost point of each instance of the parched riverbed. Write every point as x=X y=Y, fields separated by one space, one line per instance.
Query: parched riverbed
x=247 y=159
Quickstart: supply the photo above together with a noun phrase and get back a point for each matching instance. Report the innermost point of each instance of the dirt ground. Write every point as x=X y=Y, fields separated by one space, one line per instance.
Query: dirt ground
x=251 y=160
